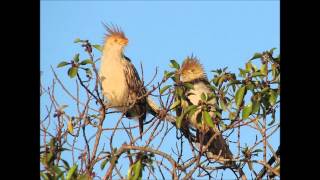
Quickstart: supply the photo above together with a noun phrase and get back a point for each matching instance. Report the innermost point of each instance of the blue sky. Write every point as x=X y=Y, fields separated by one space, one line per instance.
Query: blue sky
x=219 y=33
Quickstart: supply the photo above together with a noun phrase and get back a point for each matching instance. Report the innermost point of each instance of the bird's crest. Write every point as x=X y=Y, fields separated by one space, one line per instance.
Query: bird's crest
x=191 y=62
x=114 y=31
x=191 y=69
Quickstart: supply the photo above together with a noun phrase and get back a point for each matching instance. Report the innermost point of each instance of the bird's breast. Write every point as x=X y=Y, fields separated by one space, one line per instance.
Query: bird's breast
x=195 y=93
x=113 y=81
x=194 y=97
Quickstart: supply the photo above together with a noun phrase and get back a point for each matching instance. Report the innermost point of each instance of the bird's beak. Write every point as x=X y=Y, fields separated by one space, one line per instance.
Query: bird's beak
x=124 y=42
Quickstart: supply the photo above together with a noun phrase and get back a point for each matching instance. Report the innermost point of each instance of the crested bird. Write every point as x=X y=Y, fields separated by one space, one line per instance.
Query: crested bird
x=120 y=81
x=193 y=73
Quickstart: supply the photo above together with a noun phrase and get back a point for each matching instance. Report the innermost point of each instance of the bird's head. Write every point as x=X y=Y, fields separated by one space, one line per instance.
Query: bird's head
x=191 y=69
x=115 y=38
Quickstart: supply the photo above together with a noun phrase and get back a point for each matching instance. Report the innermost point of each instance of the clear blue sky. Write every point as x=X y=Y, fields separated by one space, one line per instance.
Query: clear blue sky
x=219 y=33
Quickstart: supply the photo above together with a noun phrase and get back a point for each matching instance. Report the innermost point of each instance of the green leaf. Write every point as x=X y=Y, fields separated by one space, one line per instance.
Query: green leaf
x=98 y=47
x=274 y=71
x=63 y=63
x=137 y=170
x=189 y=108
x=240 y=95
x=255 y=68
x=204 y=97
x=179 y=91
x=223 y=125
x=50 y=158
x=265 y=101
x=234 y=82
x=256 y=55
x=88 y=72
x=248 y=66
x=211 y=96
x=70 y=127
x=77 y=40
x=257 y=151
x=179 y=120
x=264 y=69
x=222 y=104
x=199 y=118
x=271 y=50
x=192 y=111
x=87 y=61
x=76 y=57
x=250 y=86
x=217 y=113
x=256 y=74
x=265 y=89
x=215 y=81
x=63 y=107
x=247 y=111
x=129 y=173
x=65 y=164
x=57 y=170
x=72 y=72
x=273 y=97
x=207 y=118
x=168 y=74
x=175 y=104
x=84 y=177
x=188 y=85
x=255 y=106
x=162 y=90
x=44 y=176
x=232 y=115
x=221 y=80
x=71 y=172
x=273 y=118
x=225 y=68
x=103 y=164
x=52 y=142
x=175 y=78
x=174 y=64
x=242 y=72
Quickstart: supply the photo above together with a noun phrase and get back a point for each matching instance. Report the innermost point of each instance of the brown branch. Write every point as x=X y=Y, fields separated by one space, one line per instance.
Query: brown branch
x=126 y=147
x=65 y=89
x=270 y=162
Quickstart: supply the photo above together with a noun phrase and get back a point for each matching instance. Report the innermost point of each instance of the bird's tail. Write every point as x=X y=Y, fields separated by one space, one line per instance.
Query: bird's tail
x=218 y=149
x=215 y=146
x=138 y=111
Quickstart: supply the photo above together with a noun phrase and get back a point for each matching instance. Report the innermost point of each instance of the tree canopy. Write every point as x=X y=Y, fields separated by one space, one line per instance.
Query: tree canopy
x=87 y=140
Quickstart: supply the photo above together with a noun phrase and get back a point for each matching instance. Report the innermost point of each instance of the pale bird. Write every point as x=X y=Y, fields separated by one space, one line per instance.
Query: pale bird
x=192 y=72
x=120 y=81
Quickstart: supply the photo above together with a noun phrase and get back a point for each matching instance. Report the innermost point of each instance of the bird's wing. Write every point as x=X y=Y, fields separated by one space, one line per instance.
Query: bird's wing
x=136 y=90
x=133 y=81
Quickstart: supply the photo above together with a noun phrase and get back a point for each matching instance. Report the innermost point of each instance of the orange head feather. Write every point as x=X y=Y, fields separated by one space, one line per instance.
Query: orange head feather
x=115 y=35
x=191 y=69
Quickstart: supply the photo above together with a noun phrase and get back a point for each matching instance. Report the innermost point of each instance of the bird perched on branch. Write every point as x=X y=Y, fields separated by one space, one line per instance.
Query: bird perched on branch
x=120 y=81
x=193 y=73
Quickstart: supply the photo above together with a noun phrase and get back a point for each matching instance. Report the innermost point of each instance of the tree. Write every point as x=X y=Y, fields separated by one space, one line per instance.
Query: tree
x=249 y=102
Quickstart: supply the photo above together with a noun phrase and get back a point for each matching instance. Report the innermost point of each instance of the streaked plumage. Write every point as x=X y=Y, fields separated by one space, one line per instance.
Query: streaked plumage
x=120 y=81
x=192 y=72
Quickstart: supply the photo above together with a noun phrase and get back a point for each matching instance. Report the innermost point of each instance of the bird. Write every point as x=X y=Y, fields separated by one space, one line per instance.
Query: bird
x=120 y=81
x=192 y=72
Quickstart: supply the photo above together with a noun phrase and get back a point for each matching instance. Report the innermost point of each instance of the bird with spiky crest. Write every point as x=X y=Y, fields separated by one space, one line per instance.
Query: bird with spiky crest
x=193 y=73
x=120 y=81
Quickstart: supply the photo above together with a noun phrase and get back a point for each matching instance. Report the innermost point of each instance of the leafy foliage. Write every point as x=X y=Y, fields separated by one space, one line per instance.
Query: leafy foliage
x=245 y=98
